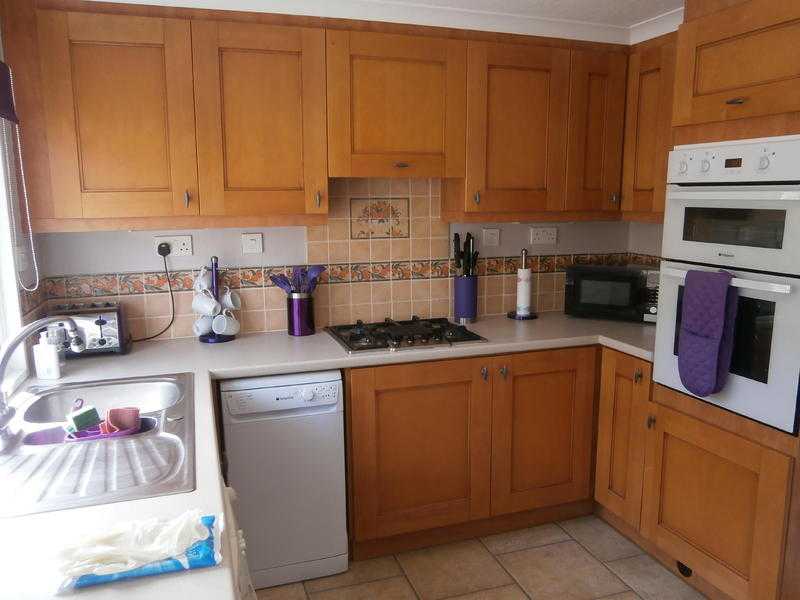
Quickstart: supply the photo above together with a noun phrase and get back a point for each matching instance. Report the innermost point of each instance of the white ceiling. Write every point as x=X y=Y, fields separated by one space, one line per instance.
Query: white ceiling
x=622 y=13
x=619 y=21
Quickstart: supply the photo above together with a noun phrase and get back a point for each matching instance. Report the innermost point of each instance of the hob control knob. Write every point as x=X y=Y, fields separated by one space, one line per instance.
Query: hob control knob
x=705 y=165
x=763 y=163
x=683 y=167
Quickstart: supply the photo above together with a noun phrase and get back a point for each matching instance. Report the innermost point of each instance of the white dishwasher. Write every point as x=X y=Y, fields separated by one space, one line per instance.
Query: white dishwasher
x=284 y=447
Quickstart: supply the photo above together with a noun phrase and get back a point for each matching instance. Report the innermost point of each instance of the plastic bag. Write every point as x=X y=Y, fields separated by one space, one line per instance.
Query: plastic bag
x=142 y=549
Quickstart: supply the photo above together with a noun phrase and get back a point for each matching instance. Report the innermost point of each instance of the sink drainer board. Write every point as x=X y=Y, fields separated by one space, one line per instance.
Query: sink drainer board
x=45 y=473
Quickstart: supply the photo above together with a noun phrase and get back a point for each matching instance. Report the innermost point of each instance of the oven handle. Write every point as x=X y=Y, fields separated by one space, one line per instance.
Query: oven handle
x=745 y=284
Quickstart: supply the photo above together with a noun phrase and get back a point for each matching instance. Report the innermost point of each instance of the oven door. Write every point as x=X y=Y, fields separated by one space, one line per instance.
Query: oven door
x=744 y=226
x=763 y=380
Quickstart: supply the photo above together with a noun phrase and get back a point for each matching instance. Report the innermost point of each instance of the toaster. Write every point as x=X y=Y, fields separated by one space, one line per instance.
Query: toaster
x=101 y=325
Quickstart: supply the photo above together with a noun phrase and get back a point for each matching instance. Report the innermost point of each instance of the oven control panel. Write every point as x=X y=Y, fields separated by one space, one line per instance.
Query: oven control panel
x=768 y=159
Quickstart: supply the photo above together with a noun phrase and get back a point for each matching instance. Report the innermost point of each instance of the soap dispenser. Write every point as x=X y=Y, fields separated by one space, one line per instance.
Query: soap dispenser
x=45 y=359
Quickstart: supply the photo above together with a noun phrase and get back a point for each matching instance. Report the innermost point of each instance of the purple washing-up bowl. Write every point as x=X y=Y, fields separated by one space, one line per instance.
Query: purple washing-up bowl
x=57 y=435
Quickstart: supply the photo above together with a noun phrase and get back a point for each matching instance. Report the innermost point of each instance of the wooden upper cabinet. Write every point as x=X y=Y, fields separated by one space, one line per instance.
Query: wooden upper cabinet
x=517 y=116
x=420 y=446
x=396 y=105
x=119 y=115
x=621 y=434
x=648 y=129
x=596 y=120
x=717 y=503
x=740 y=62
x=260 y=98
x=542 y=420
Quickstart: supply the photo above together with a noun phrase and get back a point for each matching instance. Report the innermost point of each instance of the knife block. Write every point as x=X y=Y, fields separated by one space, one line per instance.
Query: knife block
x=465 y=299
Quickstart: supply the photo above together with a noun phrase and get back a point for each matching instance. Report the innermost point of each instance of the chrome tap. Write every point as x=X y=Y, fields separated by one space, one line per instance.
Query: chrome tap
x=76 y=344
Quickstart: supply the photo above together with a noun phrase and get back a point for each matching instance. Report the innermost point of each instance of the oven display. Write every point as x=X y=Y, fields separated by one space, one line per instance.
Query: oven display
x=752 y=344
x=733 y=163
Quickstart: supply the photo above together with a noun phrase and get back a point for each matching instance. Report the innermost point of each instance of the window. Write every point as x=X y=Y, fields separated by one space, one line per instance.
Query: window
x=10 y=310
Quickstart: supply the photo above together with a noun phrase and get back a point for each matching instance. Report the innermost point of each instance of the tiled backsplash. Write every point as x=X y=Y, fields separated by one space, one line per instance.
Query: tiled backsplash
x=387 y=253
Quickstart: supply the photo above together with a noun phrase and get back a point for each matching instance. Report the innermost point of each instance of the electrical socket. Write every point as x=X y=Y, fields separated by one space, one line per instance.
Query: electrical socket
x=544 y=236
x=252 y=243
x=180 y=245
x=491 y=237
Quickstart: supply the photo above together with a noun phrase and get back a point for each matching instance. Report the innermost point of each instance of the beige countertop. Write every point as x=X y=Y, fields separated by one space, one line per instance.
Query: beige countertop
x=29 y=554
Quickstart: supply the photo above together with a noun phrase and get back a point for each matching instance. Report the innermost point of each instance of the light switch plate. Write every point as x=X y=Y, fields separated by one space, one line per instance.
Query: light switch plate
x=544 y=236
x=252 y=243
x=180 y=245
x=491 y=237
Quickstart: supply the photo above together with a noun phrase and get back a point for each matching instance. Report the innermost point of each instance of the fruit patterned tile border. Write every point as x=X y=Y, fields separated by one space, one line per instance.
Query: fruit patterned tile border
x=124 y=284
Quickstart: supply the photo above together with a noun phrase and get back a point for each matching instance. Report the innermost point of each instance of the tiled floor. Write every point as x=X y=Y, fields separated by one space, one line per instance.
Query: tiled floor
x=582 y=559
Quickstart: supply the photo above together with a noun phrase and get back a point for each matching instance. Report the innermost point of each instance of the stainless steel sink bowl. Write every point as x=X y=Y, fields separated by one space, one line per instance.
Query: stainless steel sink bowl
x=43 y=472
x=148 y=395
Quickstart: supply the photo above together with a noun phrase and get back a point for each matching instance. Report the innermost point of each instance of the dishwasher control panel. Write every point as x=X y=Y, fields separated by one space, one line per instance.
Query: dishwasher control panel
x=272 y=399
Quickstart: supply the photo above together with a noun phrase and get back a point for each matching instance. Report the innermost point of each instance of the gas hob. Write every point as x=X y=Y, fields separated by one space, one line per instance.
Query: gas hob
x=400 y=335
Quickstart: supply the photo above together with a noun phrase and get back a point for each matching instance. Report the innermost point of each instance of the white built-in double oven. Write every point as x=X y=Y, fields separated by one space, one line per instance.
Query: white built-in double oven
x=736 y=206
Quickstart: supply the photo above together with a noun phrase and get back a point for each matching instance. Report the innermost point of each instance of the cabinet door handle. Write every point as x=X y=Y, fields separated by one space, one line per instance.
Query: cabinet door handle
x=187 y=198
x=504 y=372
x=614 y=199
x=485 y=373
x=738 y=101
x=637 y=376
x=318 y=199
x=477 y=198
x=401 y=165
x=651 y=421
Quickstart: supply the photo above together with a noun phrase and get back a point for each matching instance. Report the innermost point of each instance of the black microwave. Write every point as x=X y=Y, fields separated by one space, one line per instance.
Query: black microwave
x=620 y=293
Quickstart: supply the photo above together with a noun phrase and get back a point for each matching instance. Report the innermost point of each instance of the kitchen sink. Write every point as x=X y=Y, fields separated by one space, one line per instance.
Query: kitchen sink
x=42 y=471
x=148 y=395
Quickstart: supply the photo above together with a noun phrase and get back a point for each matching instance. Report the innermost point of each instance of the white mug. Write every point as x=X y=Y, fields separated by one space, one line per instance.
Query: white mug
x=231 y=299
x=203 y=280
x=202 y=326
x=204 y=303
x=225 y=323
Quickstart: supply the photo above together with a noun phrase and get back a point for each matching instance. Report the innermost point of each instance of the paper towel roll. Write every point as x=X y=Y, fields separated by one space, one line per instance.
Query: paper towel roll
x=523 y=292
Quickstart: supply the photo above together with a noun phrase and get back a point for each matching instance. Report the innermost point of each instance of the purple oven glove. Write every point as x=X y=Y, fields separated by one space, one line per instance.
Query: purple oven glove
x=708 y=320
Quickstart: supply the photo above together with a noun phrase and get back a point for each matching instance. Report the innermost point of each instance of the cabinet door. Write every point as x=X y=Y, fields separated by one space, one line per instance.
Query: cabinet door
x=622 y=419
x=260 y=97
x=396 y=105
x=420 y=443
x=740 y=62
x=648 y=128
x=542 y=410
x=119 y=115
x=517 y=109
x=596 y=120
x=716 y=502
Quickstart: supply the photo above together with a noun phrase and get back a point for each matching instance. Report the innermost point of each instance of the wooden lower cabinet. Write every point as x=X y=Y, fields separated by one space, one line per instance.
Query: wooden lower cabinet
x=621 y=434
x=419 y=446
x=435 y=444
x=542 y=414
x=716 y=502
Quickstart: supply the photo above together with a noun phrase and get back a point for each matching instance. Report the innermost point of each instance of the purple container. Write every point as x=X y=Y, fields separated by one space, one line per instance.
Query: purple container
x=465 y=301
x=300 y=314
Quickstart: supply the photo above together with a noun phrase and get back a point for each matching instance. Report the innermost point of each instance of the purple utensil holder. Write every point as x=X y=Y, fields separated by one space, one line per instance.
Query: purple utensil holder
x=465 y=301
x=300 y=314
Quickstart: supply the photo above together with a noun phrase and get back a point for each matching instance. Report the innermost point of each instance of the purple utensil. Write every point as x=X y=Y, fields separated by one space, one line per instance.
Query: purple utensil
x=282 y=282
x=297 y=279
x=313 y=277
